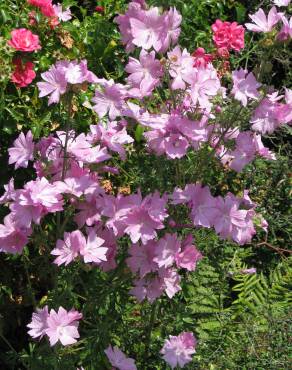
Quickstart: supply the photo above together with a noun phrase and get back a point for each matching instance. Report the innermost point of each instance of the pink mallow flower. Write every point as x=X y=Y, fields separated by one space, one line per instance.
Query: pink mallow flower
x=286 y=30
x=119 y=360
x=189 y=255
x=69 y=249
x=24 y=40
x=166 y=250
x=180 y=68
x=262 y=23
x=23 y=73
x=141 y=258
x=142 y=217
x=178 y=350
x=228 y=35
x=111 y=100
x=113 y=136
x=22 y=151
x=245 y=86
x=63 y=16
x=145 y=72
x=38 y=198
x=39 y=323
x=13 y=237
x=93 y=250
x=63 y=326
x=54 y=84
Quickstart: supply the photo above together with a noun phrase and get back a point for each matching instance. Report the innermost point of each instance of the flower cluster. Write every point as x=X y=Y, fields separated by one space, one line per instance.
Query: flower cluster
x=231 y=216
x=156 y=265
x=58 y=326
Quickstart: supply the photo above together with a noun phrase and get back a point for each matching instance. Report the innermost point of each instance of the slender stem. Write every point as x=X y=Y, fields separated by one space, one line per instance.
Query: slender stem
x=275 y=249
x=149 y=330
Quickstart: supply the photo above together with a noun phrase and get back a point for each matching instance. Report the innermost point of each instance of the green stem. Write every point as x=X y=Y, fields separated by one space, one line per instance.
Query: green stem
x=148 y=332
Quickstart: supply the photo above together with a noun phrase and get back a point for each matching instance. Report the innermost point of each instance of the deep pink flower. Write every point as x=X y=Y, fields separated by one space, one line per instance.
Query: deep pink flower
x=69 y=249
x=23 y=74
x=262 y=23
x=177 y=350
x=22 y=150
x=48 y=10
x=245 y=86
x=39 y=324
x=24 y=40
x=39 y=3
x=228 y=35
x=63 y=326
x=119 y=360
x=201 y=58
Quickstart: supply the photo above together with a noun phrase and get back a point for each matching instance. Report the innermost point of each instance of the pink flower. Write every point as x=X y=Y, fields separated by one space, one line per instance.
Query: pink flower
x=69 y=249
x=201 y=58
x=172 y=20
x=265 y=117
x=119 y=360
x=228 y=35
x=141 y=258
x=23 y=74
x=189 y=255
x=148 y=32
x=92 y=250
x=113 y=137
x=13 y=237
x=286 y=30
x=177 y=350
x=22 y=151
x=150 y=288
x=9 y=194
x=145 y=72
x=39 y=323
x=170 y=281
x=48 y=10
x=282 y=2
x=166 y=250
x=62 y=15
x=39 y=3
x=38 y=198
x=24 y=40
x=63 y=326
x=205 y=84
x=181 y=67
x=202 y=203
x=110 y=101
x=142 y=217
x=55 y=84
x=244 y=86
x=263 y=23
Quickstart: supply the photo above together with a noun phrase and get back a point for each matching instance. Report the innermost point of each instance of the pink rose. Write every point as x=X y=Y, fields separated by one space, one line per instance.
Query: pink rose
x=24 y=40
x=228 y=35
x=23 y=74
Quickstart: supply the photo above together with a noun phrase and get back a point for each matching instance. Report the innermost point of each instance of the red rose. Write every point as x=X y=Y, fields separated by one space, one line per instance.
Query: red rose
x=23 y=74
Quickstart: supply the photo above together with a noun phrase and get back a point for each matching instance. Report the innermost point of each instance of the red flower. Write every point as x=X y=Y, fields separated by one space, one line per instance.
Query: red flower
x=23 y=74
x=39 y=3
x=228 y=35
x=201 y=58
x=99 y=9
x=24 y=40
